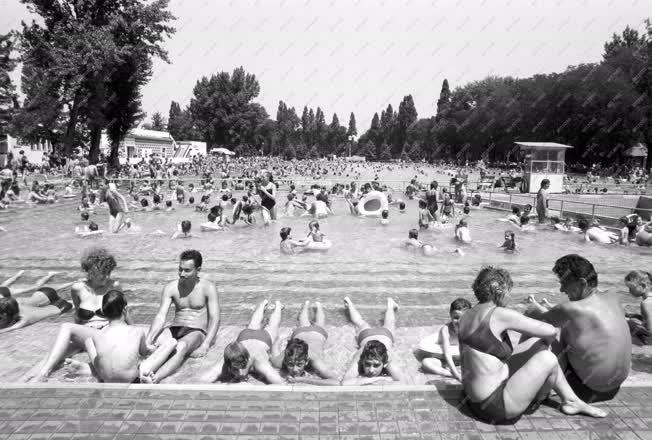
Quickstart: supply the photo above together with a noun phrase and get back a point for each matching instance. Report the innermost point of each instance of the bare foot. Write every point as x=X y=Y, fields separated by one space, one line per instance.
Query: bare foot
x=148 y=378
x=347 y=302
x=545 y=302
x=531 y=299
x=77 y=367
x=391 y=303
x=579 y=407
x=38 y=378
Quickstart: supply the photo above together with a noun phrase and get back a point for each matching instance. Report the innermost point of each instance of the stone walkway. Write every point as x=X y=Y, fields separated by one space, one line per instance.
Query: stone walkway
x=238 y=412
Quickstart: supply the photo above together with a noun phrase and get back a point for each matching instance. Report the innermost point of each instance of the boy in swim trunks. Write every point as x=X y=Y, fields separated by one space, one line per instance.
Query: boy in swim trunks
x=251 y=350
x=448 y=342
x=639 y=284
x=371 y=363
x=425 y=217
x=305 y=350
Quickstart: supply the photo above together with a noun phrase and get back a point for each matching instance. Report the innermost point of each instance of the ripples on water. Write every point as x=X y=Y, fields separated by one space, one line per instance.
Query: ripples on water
x=366 y=261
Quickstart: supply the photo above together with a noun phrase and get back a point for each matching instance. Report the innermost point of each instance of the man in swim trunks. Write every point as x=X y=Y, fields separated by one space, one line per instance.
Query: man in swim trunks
x=595 y=348
x=196 y=317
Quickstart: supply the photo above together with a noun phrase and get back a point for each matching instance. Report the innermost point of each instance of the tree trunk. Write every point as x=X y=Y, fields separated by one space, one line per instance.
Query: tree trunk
x=69 y=137
x=96 y=138
x=114 y=160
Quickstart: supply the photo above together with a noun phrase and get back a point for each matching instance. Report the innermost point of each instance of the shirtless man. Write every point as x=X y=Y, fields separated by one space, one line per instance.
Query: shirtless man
x=195 y=323
x=595 y=348
x=117 y=207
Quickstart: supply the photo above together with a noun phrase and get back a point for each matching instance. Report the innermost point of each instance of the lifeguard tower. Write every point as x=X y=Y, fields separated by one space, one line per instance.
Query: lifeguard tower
x=543 y=160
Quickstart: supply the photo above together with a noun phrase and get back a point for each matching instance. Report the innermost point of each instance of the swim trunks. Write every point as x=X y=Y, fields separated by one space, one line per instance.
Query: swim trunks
x=375 y=331
x=179 y=332
x=584 y=392
x=255 y=334
x=491 y=409
x=311 y=328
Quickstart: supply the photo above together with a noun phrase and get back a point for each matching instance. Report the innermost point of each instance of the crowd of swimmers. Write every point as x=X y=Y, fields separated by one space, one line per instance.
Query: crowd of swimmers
x=507 y=361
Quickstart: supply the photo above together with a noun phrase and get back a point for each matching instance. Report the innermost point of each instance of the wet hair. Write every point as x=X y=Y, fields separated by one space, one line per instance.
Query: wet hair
x=245 y=198
x=296 y=350
x=186 y=225
x=247 y=209
x=433 y=184
x=638 y=276
x=92 y=226
x=99 y=259
x=413 y=233
x=168 y=203
x=463 y=223
x=545 y=182
x=113 y=304
x=401 y=205
x=211 y=217
x=156 y=198
x=144 y=203
x=85 y=216
x=9 y=307
x=515 y=209
x=205 y=199
x=285 y=233
x=225 y=197
x=422 y=204
x=466 y=210
x=492 y=284
x=373 y=350
x=191 y=200
x=235 y=355
x=193 y=255
x=459 y=304
x=527 y=207
x=5 y=292
x=385 y=213
x=578 y=267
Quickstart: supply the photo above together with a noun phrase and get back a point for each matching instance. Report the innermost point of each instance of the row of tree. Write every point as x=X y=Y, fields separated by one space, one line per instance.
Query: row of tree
x=83 y=67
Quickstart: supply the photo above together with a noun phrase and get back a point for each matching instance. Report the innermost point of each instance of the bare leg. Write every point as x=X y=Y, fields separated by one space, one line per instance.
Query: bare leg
x=390 y=317
x=13 y=279
x=355 y=316
x=184 y=347
x=274 y=321
x=320 y=317
x=39 y=298
x=256 y=321
x=434 y=365
x=39 y=283
x=70 y=334
x=156 y=359
x=304 y=315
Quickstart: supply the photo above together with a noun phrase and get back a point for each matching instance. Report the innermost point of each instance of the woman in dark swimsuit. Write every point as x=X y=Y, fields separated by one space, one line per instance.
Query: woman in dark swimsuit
x=501 y=383
x=267 y=192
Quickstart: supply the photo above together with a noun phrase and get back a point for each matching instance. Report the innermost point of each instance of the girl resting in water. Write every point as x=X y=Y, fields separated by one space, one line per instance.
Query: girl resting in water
x=372 y=363
x=251 y=351
x=305 y=350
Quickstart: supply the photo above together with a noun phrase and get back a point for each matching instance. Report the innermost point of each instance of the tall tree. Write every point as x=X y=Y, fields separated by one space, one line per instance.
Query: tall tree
x=158 y=123
x=8 y=97
x=444 y=99
x=352 y=131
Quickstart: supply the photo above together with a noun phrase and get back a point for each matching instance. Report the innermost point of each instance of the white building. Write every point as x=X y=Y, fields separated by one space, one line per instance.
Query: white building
x=34 y=152
x=187 y=149
x=141 y=143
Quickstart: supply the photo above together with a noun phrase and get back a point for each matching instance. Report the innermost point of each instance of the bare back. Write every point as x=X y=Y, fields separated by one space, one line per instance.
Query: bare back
x=118 y=353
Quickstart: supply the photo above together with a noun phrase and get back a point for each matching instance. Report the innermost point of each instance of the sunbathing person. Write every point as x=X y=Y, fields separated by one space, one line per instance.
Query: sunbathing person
x=250 y=352
x=305 y=350
x=500 y=385
x=596 y=347
x=372 y=363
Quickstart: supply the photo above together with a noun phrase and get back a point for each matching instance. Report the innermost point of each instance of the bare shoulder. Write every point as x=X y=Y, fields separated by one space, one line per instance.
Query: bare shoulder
x=171 y=288
x=207 y=285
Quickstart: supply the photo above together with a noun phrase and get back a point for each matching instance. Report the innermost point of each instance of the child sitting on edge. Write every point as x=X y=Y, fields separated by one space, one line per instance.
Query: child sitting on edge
x=425 y=217
x=384 y=217
x=462 y=232
x=315 y=234
x=510 y=242
x=639 y=284
x=183 y=230
x=446 y=350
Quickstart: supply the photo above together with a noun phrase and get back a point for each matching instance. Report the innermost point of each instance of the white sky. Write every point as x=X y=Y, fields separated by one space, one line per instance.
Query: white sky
x=360 y=55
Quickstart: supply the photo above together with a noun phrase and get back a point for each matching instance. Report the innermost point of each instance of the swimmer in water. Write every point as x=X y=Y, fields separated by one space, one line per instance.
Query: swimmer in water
x=639 y=284
x=288 y=244
x=195 y=323
x=374 y=362
x=314 y=233
x=117 y=208
x=250 y=352
x=462 y=232
x=413 y=243
x=446 y=340
x=183 y=230
x=510 y=242
x=425 y=217
x=594 y=233
x=304 y=352
x=211 y=224
x=384 y=217
x=92 y=231
x=401 y=207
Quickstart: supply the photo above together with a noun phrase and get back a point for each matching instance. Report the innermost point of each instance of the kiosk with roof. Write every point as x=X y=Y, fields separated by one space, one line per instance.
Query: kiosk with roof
x=543 y=160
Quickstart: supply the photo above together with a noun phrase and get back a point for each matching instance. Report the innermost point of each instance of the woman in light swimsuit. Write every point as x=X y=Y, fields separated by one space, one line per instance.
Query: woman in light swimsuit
x=251 y=350
x=501 y=383
x=17 y=313
x=305 y=351
x=372 y=362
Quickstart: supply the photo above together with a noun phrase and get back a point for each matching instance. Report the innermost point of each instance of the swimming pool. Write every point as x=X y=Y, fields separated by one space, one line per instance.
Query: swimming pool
x=366 y=263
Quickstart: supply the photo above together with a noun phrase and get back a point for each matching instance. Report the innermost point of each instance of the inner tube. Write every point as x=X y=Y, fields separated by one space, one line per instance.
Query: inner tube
x=319 y=245
x=373 y=204
x=644 y=237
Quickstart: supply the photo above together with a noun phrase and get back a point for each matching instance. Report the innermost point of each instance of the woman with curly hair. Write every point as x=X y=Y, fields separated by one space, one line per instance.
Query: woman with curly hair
x=502 y=382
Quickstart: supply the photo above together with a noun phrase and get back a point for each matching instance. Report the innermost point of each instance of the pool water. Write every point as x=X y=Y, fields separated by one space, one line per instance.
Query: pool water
x=366 y=263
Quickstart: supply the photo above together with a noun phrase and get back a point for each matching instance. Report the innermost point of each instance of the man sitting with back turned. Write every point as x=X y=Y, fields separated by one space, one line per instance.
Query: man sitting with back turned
x=195 y=323
x=595 y=349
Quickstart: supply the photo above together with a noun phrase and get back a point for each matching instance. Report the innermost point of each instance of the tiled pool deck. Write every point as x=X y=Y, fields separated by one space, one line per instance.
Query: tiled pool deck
x=58 y=412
